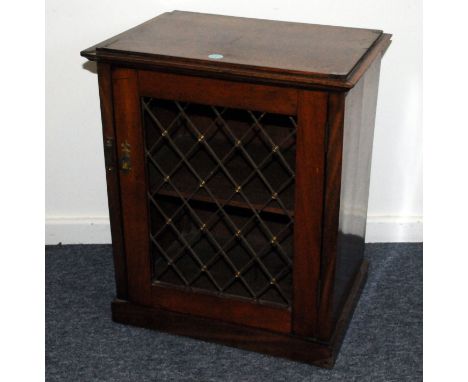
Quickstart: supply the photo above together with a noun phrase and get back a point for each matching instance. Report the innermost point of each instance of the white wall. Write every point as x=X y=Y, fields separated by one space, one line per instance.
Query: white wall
x=76 y=204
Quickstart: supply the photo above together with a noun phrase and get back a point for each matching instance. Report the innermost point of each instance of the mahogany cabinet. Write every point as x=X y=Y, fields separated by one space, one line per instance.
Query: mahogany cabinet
x=237 y=155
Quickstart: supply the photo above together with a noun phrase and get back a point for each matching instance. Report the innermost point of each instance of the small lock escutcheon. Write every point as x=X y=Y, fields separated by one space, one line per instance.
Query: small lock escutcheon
x=125 y=158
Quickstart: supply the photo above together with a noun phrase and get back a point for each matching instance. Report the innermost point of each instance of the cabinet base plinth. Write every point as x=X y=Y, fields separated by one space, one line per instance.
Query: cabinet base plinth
x=297 y=348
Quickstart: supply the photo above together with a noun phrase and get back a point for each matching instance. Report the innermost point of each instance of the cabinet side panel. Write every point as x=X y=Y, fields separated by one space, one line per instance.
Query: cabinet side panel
x=358 y=135
x=112 y=177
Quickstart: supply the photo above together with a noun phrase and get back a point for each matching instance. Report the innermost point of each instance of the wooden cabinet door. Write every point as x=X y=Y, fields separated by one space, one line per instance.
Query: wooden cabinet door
x=217 y=179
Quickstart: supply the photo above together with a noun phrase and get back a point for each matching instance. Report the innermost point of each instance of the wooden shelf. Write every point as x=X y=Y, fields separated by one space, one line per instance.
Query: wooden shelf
x=224 y=202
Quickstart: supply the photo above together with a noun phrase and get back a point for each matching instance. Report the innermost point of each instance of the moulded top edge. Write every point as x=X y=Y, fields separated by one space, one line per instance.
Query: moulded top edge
x=286 y=52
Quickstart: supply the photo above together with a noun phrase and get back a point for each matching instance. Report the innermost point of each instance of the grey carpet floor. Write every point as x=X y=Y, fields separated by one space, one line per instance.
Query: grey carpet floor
x=383 y=343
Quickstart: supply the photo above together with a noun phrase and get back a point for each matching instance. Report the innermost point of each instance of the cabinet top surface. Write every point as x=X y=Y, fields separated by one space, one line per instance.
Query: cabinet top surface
x=218 y=43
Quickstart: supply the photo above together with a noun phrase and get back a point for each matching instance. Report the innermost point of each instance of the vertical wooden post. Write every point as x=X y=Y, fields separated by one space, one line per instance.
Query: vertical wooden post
x=112 y=175
x=131 y=154
x=332 y=211
x=310 y=164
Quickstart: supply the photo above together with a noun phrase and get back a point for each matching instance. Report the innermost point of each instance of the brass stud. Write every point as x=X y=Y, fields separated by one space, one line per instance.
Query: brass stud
x=238 y=233
x=169 y=221
x=203 y=269
x=166 y=178
x=273 y=281
x=238 y=142
x=169 y=262
x=275 y=149
x=203 y=227
x=238 y=188
x=202 y=184
x=164 y=133
x=274 y=195
x=274 y=240
x=201 y=137
x=237 y=275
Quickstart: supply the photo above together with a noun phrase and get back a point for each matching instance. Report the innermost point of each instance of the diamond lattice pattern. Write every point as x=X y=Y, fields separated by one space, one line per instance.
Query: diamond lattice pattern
x=221 y=199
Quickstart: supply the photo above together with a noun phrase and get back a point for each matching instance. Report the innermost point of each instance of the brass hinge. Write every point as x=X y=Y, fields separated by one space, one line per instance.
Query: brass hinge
x=109 y=155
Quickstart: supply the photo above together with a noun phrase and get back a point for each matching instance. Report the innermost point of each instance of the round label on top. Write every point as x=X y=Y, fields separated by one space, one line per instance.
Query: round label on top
x=215 y=56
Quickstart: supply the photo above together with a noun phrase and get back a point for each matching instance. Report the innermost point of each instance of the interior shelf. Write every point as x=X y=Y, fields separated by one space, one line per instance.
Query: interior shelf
x=224 y=202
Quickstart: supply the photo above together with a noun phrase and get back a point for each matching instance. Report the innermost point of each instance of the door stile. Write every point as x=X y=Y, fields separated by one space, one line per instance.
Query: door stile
x=112 y=177
x=310 y=165
x=131 y=163
x=331 y=218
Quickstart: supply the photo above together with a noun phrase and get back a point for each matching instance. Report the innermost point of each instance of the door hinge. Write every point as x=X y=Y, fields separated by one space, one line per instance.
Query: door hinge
x=109 y=154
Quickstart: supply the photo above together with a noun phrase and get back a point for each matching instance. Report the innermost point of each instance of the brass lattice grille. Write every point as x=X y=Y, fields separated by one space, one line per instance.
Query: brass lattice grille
x=221 y=198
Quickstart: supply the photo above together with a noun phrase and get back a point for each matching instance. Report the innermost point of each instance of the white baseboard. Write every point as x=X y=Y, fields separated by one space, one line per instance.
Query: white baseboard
x=394 y=229
x=77 y=230
x=96 y=230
